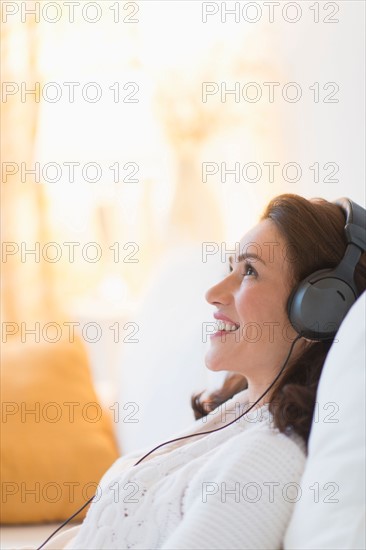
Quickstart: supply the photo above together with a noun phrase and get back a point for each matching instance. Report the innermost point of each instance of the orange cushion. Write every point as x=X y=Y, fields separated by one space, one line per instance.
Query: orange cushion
x=56 y=440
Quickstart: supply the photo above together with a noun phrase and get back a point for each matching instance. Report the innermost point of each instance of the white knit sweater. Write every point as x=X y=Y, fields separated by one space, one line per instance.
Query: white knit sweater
x=232 y=489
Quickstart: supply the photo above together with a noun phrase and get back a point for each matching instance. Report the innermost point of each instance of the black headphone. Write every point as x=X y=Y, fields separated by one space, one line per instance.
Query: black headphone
x=318 y=305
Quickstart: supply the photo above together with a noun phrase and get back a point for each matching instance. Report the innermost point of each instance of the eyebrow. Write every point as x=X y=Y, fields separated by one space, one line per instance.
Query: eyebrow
x=246 y=255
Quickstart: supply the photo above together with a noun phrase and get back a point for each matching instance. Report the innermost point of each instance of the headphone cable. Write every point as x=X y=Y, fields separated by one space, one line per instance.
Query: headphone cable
x=182 y=437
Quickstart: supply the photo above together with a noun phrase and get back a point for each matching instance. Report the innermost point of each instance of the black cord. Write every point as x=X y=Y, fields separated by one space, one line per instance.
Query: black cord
x=183 y=437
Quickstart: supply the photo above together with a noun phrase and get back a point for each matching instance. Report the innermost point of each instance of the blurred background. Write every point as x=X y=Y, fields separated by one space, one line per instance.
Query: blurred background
x=149 y=188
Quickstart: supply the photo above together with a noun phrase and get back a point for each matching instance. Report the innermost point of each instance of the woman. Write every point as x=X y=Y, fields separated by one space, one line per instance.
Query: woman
x=235 y=487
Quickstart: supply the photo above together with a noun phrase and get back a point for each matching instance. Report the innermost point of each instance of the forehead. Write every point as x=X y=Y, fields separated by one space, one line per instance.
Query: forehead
x=264 y=240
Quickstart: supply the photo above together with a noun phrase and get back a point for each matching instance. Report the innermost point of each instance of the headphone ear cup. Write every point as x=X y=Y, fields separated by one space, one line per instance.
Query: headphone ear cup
x=318 y=305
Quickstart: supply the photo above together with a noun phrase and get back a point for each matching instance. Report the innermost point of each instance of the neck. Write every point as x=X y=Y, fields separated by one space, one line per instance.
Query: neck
x=254 y=393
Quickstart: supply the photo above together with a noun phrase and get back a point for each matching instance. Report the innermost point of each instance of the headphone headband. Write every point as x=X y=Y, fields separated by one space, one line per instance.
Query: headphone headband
x=355 y=227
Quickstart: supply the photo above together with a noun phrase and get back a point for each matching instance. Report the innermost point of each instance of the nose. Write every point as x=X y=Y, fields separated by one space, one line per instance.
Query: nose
x=219 y=293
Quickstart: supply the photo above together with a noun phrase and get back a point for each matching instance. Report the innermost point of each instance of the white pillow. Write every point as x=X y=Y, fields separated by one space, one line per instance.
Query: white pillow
x=330 y=513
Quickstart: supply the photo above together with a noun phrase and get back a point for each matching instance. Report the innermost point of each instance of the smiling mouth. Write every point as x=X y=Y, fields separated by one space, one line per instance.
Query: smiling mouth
x=226 y=327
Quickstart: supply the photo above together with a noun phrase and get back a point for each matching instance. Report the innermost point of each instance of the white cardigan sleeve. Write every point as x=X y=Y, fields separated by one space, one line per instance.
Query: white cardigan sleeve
x=243 y=499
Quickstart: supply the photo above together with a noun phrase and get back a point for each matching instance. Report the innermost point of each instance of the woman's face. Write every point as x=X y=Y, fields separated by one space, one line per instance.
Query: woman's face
x=254 y=296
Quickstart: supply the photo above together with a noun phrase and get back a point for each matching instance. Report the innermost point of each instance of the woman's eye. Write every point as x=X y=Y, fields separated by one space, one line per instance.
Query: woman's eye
x=248 y=270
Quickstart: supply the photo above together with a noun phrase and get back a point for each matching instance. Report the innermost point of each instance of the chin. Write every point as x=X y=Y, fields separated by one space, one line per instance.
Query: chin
x=213 y=365
x=214 y=368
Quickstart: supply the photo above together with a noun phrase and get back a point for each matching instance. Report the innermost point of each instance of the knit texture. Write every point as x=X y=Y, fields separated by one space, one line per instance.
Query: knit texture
x=232 y=489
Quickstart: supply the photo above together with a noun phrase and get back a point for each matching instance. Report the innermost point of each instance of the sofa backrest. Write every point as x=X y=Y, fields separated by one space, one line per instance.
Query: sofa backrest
x=330 y=510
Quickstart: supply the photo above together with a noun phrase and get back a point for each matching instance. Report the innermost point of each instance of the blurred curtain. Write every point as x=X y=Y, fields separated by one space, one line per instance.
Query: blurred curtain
x=34 y=289
x=27 y=289
x=169 y=133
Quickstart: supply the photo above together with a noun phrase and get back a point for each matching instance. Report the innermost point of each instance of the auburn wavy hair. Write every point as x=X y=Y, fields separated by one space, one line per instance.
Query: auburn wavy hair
x=315 y=230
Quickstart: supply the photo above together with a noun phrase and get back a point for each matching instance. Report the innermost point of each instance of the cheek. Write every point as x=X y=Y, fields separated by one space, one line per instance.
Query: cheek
x=261 y=304
x=248 y=304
